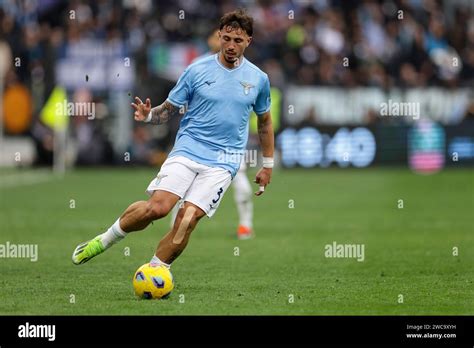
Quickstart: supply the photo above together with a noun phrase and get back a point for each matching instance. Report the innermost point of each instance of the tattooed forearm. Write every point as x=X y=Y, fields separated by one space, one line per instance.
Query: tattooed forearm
x=162 y=113
x=264 y=125
x=265 y=134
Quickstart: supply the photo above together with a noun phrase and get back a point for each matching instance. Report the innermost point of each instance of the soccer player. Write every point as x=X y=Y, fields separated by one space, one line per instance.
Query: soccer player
x=240 y=182
x=217 y=95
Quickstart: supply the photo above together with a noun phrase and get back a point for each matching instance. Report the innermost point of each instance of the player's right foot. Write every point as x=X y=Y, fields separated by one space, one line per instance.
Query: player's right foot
x=86 y=251
x=244 y=232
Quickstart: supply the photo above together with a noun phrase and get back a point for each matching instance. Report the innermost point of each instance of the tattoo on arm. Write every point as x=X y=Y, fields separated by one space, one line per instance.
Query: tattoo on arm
x=265 y=134
x=262 y=131
x=262 y=127
x=162 y=113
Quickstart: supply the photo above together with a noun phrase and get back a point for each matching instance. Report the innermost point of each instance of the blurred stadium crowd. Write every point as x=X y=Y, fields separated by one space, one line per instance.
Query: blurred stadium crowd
x=383 y=44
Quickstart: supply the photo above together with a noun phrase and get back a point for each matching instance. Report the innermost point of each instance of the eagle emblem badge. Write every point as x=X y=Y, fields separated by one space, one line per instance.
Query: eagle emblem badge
x=246 y=86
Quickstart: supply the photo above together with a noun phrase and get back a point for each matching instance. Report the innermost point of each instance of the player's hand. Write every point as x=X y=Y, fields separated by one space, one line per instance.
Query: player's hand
x=141 y=110
x=263 y=179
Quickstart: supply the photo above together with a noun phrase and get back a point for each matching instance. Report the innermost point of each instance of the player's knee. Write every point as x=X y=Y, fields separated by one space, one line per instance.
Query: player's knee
x=242 y=189
x=197 y=215
x=243 y=193
x=187 y=220
x=156 y=210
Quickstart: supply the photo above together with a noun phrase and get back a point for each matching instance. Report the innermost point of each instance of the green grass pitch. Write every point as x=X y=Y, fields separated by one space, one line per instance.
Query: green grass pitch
x=283 y=271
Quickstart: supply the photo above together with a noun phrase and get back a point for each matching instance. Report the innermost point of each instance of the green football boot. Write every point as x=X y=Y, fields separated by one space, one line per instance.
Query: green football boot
x=86 y=251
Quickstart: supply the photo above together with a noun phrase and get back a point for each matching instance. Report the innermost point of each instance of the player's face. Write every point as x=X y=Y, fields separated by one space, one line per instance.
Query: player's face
x=233 y=42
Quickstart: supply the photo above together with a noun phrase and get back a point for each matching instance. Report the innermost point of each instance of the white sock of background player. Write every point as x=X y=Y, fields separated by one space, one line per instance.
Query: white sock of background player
x=243 y=198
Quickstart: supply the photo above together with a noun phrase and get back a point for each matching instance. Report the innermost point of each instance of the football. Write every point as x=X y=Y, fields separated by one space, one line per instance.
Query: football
x=153 y=282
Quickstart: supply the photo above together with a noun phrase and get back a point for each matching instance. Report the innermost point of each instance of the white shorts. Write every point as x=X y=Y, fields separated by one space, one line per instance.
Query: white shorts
x=193 y=182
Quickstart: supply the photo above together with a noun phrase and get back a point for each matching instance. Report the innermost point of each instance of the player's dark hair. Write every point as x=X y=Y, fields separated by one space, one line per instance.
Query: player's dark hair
x=237 y=19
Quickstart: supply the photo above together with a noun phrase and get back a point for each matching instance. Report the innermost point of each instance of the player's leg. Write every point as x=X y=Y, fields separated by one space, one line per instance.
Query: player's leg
x=174 y=242
x=135 y=218
x=170 y=184
x=243 y=200
x=203 y=198
x=140 y=214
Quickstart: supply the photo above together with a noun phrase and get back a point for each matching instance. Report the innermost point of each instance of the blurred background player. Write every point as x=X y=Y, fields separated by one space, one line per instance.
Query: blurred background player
x=240 y=183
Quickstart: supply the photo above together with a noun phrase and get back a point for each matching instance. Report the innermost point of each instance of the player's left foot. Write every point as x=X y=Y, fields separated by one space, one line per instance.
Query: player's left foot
x=86 y=251
x=244 y=232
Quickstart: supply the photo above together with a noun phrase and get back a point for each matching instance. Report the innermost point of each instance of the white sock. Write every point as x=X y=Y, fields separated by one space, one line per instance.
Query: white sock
x=245 y=213
x=155 y=261
x=113 y=235
x=243 y=199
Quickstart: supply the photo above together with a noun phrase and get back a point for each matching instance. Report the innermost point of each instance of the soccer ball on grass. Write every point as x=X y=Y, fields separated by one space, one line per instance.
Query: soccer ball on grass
x=153 y=282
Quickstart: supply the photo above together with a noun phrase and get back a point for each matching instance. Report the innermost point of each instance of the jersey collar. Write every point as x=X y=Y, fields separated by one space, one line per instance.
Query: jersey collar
x=216 y=57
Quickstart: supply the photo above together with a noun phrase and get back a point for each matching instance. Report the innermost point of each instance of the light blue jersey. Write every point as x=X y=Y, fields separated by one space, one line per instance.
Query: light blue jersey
x=214 y=130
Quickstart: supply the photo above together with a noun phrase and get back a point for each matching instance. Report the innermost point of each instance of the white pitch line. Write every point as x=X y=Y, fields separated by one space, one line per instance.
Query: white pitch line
x=24 y=179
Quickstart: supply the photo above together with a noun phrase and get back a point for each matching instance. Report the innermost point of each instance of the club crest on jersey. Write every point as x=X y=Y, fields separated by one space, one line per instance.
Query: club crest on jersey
x=246 y=86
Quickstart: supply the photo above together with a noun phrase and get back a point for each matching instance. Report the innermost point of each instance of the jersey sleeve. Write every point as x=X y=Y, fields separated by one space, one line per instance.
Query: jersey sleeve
x=182 y=92
x=263 y=102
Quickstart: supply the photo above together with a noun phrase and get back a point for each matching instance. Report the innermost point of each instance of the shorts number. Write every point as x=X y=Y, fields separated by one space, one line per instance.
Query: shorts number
x=218 y=196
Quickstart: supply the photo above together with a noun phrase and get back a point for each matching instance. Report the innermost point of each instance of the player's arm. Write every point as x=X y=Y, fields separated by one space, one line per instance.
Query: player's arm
x=179 y=95
x=266 y=136
x=157 y=115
